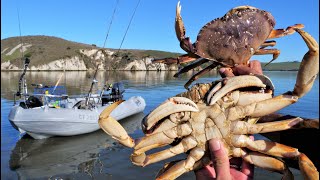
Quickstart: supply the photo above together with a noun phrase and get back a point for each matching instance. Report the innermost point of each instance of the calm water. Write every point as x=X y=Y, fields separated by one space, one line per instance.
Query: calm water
x=96 y=155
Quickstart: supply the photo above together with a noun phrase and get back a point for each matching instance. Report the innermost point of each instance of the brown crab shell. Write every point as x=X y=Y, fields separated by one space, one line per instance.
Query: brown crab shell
x=233 y=38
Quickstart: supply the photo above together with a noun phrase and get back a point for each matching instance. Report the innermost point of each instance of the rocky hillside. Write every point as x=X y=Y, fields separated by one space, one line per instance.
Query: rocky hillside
x=52 y=53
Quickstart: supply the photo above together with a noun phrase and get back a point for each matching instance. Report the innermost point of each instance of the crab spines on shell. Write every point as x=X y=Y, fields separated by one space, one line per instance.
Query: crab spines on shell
x=170 y=106
x=112 y=127
x=229 y=84
x=236 y=9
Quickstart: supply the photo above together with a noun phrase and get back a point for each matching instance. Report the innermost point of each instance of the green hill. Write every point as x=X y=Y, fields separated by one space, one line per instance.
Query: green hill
x=45 y=49
x=281 y=66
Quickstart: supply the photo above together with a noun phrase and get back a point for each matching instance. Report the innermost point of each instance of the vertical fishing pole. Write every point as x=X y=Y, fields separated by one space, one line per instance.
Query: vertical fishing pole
x=98 y=65
x=22 y=86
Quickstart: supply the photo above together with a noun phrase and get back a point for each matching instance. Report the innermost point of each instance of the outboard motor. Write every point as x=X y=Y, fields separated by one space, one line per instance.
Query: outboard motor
x=117 y=90
x=33 y=102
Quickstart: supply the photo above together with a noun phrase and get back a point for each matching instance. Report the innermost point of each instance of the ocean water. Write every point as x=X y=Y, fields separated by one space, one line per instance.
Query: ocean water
x=96 y=155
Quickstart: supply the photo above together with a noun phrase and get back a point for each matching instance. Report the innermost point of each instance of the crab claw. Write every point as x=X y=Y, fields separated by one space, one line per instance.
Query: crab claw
x=180 y=30
x=112 y=127
x=237 y=82
x=170 y=106
x=309 y=67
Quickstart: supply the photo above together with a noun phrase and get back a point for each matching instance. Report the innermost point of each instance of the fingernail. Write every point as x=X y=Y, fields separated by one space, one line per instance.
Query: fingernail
x=215 y=144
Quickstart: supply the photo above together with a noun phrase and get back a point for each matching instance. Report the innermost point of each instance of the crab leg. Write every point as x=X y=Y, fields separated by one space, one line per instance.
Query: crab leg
x=191 y=66
x=200 y=73
x=279 y=150
x=276 y=33
x=179 y=60
x=242 y=127
x=264 y=161
x=112 y=127
x=176 y=169
x=306 y=123
x=267 y=44
x=186 y=144
x=274 y=52
x=309 y=67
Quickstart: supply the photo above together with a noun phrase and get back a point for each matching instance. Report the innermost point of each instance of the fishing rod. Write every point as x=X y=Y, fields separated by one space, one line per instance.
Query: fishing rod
x=22 y=80
x=114 y=11
x=94 y=77
x=97 y=68
x=92 y=84
x=125 y=34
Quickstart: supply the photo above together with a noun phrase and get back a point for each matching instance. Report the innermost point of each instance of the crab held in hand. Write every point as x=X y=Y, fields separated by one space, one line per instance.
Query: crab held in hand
x=228 y=41
x=229 y=110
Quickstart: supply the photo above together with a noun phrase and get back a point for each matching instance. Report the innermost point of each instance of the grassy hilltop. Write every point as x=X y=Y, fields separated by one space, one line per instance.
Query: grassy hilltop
x=45 y=49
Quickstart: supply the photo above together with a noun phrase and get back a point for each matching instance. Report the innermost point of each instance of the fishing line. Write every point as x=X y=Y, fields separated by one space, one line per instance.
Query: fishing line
x=128 y=25
x=114 y=11
x=20 y=37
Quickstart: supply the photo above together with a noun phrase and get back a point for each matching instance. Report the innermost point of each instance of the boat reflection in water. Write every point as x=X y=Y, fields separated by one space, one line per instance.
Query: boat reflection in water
x=67 y=156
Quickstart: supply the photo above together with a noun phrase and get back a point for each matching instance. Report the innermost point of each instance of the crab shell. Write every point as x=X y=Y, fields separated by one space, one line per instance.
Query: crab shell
x=233 y=38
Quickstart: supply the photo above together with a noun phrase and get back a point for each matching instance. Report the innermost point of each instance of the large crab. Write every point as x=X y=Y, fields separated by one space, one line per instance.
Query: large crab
x=228 y=109
x=228 y=41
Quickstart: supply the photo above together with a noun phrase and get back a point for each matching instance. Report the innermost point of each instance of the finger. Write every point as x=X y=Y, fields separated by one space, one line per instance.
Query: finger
x=244 y=70
x=238 y=174
x=256 y=65
x=221 y=159
x=251 y=137
x=226 y=72
x=247 y=169
x=206 y=172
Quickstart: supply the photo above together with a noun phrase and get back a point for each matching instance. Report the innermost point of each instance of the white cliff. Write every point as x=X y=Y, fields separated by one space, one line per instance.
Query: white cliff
x=77 y=63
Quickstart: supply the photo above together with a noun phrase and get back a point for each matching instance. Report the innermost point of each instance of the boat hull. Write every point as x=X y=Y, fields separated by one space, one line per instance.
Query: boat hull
x=44 y=122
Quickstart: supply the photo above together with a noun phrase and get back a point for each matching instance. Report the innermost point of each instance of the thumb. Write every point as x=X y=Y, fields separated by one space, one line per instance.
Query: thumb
x=220 y=159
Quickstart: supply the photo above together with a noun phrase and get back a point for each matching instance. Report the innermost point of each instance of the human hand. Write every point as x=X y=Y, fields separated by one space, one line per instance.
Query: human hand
x=220 y=167
x=253 y=68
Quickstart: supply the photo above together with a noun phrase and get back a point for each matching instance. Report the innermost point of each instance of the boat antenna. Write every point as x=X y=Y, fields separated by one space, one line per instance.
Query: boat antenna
x=134 y=12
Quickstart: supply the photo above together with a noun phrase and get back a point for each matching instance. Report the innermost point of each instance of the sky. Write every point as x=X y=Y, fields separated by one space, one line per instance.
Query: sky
x=153 y=24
